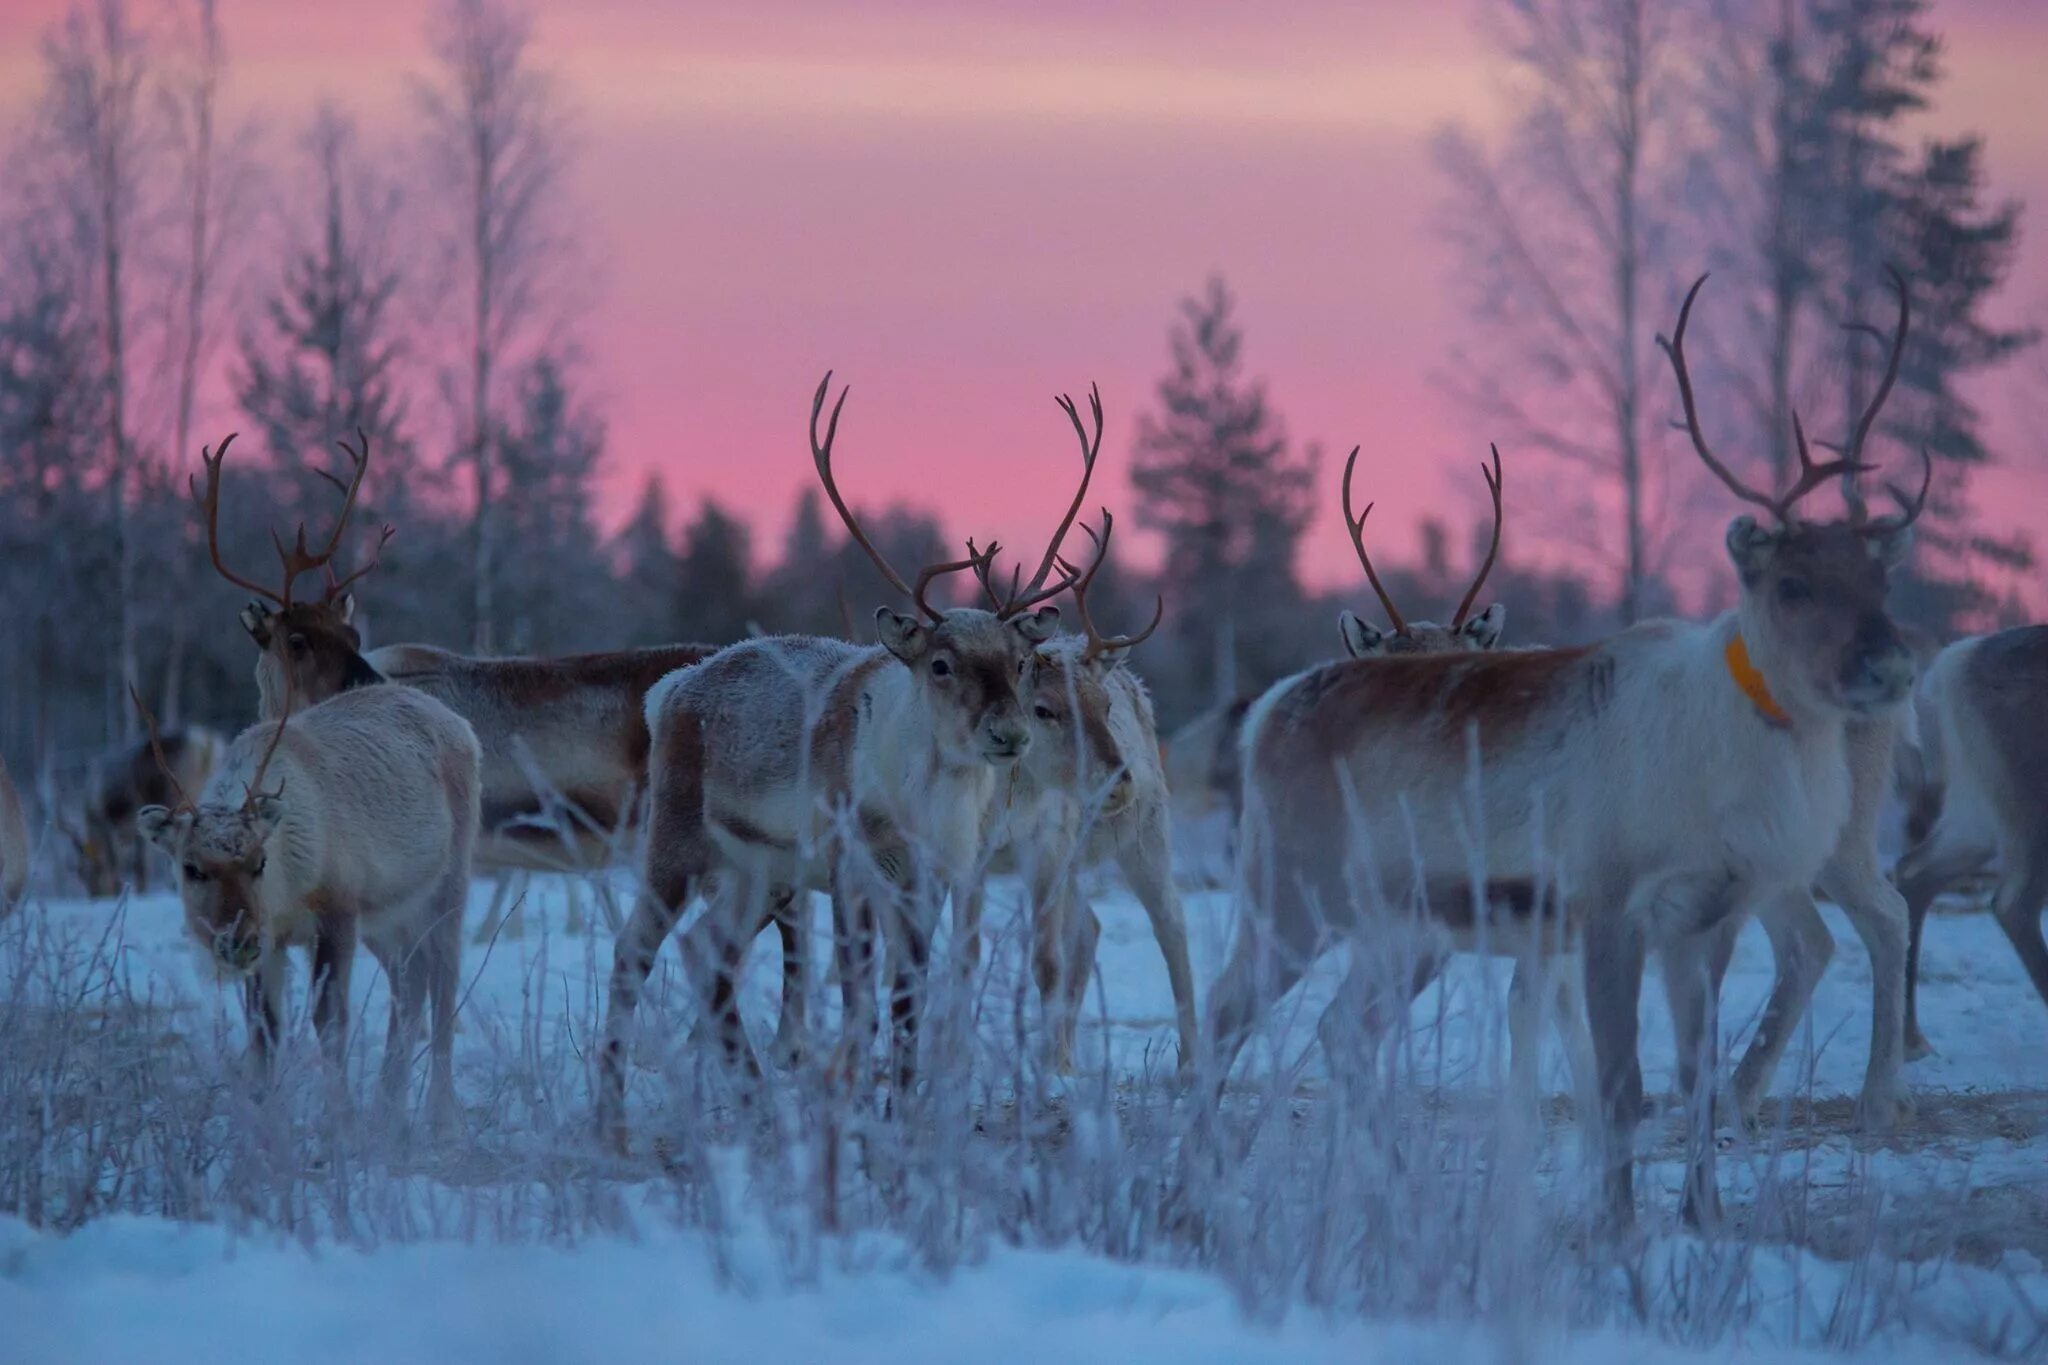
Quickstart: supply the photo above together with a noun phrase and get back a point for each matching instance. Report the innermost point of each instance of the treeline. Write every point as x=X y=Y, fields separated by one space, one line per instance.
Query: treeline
x=425 y=292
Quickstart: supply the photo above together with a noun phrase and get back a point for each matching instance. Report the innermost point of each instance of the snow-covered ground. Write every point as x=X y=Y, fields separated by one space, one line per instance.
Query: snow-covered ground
x=1933 y=1239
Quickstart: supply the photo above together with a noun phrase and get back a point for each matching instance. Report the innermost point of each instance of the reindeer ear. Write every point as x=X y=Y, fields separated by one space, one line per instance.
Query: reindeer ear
x=345 y=608
x=159 y=826
x=1039 y=626
x=1750 y=546
x=903 y=636
x=255 y=619
x=1361 y=640
x=268 y=809
x=1111 y=659
x=1483 y=631
x=1890 y=546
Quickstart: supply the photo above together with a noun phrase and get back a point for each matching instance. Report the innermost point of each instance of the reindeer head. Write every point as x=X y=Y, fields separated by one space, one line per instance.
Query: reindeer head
x=222 y=854
x=308 y=650
x=1066 y=684
x=1366 y=641
x=1813 y=611
x=966 y=661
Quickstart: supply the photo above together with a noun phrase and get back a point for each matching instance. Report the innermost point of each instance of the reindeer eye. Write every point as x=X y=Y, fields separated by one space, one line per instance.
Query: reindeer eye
x=296 y=642
x=941 y=669
x=261 y=863
x=1044 y=712
x=1794 y=590
x=193 y=874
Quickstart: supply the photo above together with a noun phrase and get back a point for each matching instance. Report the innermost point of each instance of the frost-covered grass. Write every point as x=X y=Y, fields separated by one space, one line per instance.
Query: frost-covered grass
x=156 y=1205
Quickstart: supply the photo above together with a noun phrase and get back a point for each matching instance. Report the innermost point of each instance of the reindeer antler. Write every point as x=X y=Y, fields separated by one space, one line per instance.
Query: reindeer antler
x=253 y=788
x=1022 y=596
x=1356 y=527
x=1098 y=643
x=821 y=456
x=1910 y=508
x=299 y=558
x=209 y=506
x=1493 y=481
x=1811 y=475
x=156 y=744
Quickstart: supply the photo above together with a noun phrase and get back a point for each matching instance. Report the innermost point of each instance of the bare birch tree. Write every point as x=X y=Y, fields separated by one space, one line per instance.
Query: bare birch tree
x=1563 y=234
x=92 y=150
x=495 y=139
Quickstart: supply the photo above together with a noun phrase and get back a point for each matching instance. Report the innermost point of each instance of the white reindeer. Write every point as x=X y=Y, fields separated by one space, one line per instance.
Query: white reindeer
x=1984 y=751
x=792 y=763
x=1649 y=790
x=365 y=834
x=1092 y=789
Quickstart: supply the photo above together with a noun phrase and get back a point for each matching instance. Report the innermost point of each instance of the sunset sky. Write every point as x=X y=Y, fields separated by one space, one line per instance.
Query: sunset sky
x=965 y=209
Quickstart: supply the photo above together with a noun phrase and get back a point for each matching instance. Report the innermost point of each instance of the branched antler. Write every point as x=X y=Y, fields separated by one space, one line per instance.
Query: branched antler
x=1022 y=597
x=156 y=744
x=1098 y=643
x=1811 y=475
x=821 y=456
x=299 y=558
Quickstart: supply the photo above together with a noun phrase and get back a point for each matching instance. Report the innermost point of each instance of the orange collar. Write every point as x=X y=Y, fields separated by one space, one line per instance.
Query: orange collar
x=1752 y=683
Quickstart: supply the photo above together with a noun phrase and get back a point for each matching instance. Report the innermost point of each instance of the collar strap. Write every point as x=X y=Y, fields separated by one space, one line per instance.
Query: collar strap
x=1752 y=683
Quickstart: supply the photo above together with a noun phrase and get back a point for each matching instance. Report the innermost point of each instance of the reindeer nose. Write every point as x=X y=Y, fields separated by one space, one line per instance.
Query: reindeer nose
x=1121 y=793
x=1006 y=738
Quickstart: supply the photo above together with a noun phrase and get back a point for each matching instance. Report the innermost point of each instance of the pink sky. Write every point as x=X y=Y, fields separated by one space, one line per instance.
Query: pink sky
x=966 y=209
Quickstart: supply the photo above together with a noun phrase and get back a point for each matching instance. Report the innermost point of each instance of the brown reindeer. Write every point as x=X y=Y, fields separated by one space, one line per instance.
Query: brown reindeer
x=1202 y=757
x=1983 y=753
x=1649 y=792
x=107 y=845
x=564 y=739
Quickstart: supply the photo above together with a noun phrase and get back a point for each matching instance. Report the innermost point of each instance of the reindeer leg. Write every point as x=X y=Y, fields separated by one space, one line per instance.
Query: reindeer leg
x=792 y=1024
x=1801 y=948
x=1051 y=905
x=334 y=955
x=909 y=951
x=1878 y=912
x=407 y=972
x=2021 y=892
x=678 y=859
x=853 y=952
x=1147 y=865
x=263 y=1010
x=1929 y=868
x=444 y=986
x=1691 y=984
x=1614 y=952
x=1084 y=932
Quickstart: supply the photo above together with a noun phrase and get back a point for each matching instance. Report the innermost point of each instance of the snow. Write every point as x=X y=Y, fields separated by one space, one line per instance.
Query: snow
x=126 y=1288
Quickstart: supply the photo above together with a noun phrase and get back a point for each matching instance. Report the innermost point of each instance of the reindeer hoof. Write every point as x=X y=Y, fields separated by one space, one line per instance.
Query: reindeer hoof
x=1917 y=1047
x=1883 y=1111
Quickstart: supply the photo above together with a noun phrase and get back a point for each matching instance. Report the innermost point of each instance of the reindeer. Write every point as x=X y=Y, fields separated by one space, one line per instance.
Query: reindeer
x=1649 y=791
x=365 y=832
x=1091 y=788
x=1202 y=756
x=564 y=739
x=797 y=762
x=1985 y=758
x=107 y=847
x=14 y=845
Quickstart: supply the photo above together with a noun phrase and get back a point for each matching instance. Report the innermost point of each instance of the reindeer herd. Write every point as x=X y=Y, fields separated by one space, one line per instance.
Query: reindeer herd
x=1578 y=810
